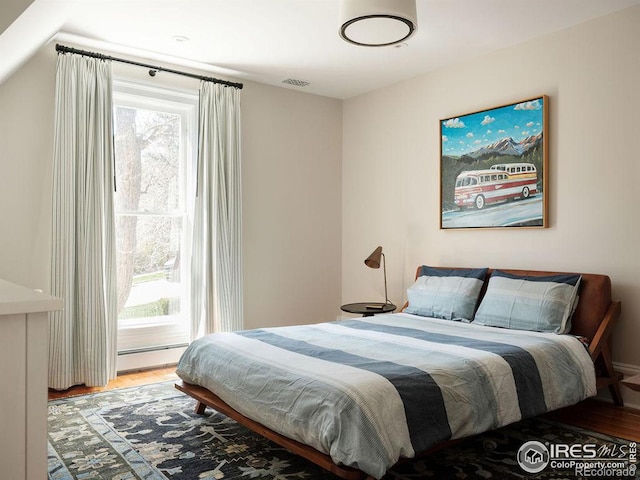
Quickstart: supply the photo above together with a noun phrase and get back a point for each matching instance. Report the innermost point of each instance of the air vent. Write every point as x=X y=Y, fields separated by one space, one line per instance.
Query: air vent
x=295 y=83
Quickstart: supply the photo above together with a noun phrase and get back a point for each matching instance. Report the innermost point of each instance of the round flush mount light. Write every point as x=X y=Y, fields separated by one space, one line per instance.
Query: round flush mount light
x=377 y=23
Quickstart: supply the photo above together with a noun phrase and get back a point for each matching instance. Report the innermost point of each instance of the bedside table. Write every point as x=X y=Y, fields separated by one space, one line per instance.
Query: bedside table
x=368 y=309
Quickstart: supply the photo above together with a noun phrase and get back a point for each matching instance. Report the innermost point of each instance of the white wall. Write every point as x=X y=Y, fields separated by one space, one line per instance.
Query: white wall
x=292 y=206
x=391 y=168
x=26 y=154
x=291 y=191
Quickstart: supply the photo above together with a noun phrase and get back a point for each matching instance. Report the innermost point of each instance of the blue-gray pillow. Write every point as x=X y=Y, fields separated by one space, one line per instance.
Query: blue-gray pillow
x=451 y=294
x=539 y=304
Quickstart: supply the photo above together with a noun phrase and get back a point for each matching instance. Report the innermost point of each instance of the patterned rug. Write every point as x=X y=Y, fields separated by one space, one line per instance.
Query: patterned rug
x=152 y=433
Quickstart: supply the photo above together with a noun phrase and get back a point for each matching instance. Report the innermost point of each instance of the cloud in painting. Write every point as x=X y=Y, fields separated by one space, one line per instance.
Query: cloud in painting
x=454 y=123
x=487 y=120
x=469 y=135
x=531 y=105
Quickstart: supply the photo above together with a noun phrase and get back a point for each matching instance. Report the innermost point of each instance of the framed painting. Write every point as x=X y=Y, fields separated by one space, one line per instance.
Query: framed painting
x=493 y=167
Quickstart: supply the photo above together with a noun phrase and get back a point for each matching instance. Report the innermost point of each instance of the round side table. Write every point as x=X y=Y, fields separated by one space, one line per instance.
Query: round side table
x=368 y=309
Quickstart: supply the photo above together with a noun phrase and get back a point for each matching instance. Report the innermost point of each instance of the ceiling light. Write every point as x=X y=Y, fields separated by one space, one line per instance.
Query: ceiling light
x=377 y=23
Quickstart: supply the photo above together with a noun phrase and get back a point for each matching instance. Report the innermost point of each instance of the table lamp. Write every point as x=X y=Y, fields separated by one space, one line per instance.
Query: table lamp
x=373 y=261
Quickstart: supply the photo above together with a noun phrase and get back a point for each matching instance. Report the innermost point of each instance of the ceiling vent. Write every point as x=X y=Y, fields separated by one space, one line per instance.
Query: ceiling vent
x=295 y=83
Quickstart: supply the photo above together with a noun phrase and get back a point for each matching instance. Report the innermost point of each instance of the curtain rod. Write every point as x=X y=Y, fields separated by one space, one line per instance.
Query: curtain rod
x=152 y=68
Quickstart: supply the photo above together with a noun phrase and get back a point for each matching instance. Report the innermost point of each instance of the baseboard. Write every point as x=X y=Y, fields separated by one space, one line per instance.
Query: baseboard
x=145 y=360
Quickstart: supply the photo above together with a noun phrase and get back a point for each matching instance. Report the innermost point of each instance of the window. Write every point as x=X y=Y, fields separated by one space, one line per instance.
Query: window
x=154 y=141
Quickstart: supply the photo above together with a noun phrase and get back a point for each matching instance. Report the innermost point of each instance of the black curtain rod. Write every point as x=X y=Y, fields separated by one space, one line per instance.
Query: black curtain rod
x=152 y=68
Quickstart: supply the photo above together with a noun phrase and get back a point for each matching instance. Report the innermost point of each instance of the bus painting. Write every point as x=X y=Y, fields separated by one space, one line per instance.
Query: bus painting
x=501 y=182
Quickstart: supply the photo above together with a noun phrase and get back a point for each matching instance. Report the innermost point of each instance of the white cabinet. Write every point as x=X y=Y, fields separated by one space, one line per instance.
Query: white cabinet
x=23 y=381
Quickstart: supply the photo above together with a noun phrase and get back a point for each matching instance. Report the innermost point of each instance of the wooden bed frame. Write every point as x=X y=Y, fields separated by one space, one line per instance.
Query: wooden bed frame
x=594 y=318
x=206 y=398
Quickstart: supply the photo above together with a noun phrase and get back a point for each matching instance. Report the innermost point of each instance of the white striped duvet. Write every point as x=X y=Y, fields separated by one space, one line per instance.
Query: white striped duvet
x=369 y=391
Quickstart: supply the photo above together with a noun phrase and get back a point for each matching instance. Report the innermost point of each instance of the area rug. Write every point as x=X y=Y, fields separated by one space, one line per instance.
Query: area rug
x=153 y=433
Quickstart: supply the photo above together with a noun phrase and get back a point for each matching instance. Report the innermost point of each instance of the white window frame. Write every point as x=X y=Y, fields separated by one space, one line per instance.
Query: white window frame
x=133 y=337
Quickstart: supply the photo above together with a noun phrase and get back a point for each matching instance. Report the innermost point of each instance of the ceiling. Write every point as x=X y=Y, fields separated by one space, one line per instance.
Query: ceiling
x=270 y=41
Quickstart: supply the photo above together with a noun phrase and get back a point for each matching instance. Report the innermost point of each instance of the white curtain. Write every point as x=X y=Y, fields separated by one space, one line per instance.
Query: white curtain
x=82 y=338
x=216 y=283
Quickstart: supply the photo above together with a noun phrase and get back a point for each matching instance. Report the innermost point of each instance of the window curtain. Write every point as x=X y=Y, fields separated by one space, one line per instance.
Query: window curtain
x=216 y=283
x=82 y=338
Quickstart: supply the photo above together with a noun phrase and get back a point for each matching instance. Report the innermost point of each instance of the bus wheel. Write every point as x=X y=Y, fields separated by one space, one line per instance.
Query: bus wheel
x=479 y=202
x=525 y=192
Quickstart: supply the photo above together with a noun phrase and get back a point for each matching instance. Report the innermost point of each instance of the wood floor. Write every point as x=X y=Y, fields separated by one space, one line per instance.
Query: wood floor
x=591 y=414
x=601 y=417
x=132 y=379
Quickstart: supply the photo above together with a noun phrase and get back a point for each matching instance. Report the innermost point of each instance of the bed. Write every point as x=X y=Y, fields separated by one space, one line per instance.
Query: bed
x=359 y=395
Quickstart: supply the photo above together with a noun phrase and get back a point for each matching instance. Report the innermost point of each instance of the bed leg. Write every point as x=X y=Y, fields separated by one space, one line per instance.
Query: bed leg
x=600 y=349
x=200 y=408
x=616 y=395
x=614 y=386
x=613 y=377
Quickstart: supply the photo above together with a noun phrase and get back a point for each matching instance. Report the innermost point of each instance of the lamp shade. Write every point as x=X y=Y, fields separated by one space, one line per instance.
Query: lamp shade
x=377 y=23
x=373 y=260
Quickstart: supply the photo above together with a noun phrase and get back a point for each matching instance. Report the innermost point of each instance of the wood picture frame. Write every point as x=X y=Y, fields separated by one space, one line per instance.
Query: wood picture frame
x=493 y=167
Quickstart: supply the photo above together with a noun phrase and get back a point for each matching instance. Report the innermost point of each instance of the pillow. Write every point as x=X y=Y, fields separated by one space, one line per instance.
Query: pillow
x=451 y=294
x=539 y=304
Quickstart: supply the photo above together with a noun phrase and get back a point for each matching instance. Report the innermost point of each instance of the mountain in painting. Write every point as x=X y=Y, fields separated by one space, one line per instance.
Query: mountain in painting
x=507 y=146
